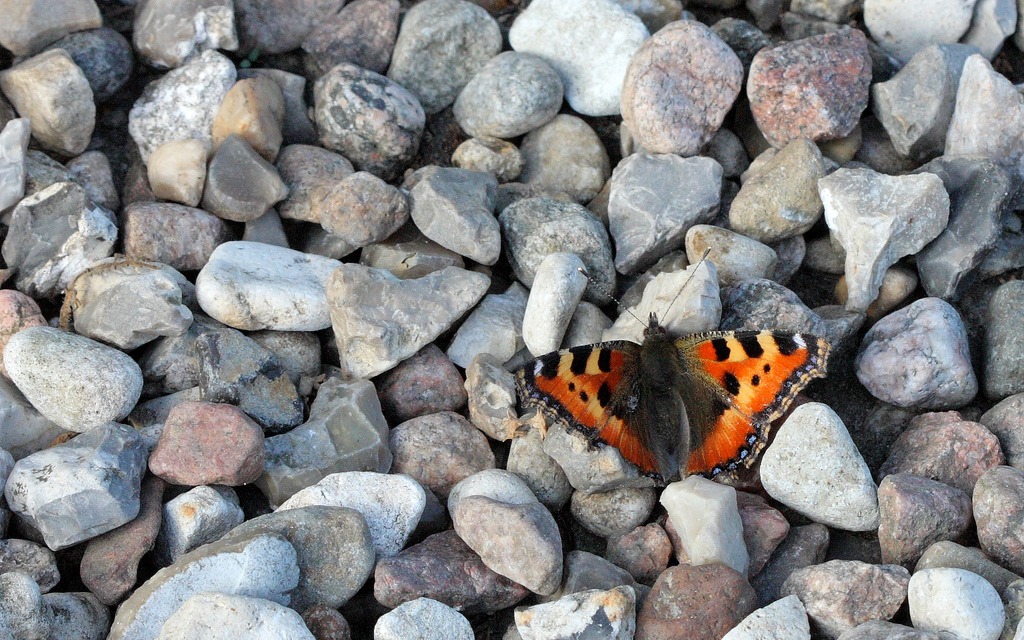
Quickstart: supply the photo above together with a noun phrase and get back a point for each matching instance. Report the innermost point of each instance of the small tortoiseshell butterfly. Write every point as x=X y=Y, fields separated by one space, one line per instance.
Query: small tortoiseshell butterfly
x=708 y=396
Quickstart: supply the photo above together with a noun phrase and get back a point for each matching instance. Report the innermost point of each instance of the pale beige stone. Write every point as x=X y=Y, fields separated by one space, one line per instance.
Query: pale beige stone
x=177 y=171
x=254 y=110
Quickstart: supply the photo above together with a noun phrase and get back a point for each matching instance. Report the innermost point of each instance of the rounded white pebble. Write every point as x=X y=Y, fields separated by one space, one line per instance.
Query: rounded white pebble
x=955 y=601
x=557 y=289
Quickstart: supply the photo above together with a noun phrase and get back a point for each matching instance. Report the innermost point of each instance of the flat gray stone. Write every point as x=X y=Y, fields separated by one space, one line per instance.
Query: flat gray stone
x=241 y=185
x=14 y=139
x=988 y=115
x=494 y=327
x=455 y=208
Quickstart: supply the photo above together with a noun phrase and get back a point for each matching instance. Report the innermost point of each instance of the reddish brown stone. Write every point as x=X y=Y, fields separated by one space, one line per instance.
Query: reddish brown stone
x=439 y=450
x=764 y=527
x=110 y=563
x=361 y=209
x=999 y=511
x=176 y=235
x=944 y=447
x=443 y=568
x=814 y=88
x=695 y=603
x=17 y=312
x=916 y=512
x=644 y=552
x=326 y=623
x=208 y=443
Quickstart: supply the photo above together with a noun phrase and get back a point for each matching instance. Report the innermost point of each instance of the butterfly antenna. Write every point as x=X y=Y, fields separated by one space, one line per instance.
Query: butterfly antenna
x=683 y=288
x=600 y=287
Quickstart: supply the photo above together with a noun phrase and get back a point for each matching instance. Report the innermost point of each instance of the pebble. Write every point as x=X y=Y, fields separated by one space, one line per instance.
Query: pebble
x=781 y=199
x=207 y=443
x=177 y=172
x=644 y=552
x=736 y=257
x=612 y=513
x=77 y=615
x=346 y=431
x=443 y=568
x=1004 y=420
x=32 y=559
x=106 y=382
x=103 y=55
x=22 y=613
x=918 y=357
x=587 y=326
x=498 y=517
x=240 y=185
x=14 y=138
x=297 y=351
x=764 y=528
x=233 y=615
x=17 y=312
x=1004 y=347
x=814 y=88
x=262 y=566
x=235 y=369
x=983 y=98
x=997 y=512
x=944 y=447
x=82 y=488
x=440 y=46
x=589 y=43
x=916 y=512
x=784 y=619
x=253 y=109
x=363 y=33
x=91 y=171
x=955 y=602
x=200 y=515
x=370 y=119
x=902 y=32
x=491 y=393
x=310 y=174
x=565 y=155
x=654 y=201
x=685 y=301
x=917 y=119
x=584 y=571
x=875 y=232
x=37 y=23
x=25 y=429
x=898 y=284
x=52 y=92
x=841 y=594
x=166 y=33
x=593 y=613
x=946 y=554
x=756 y=303
x=423 y=619
x=455 y=208
x=707 y=519
x=370 y=313
x=110 y=562
x=591 y=468
x=494 y=327
x=512 y=94
x=678 y=607
x=425 y=383
x=54 y=235
x=409 y=254
x=170 y=364
x=884 y=630
x=362 y=209
x=558 y=288
x=326 y=623
x=267 y=229
x=252 y=286
x=276 y=26
x=391 y=504
x=181 y=104
x=545 y=477
x=499 y=158
x=679 y=86
x=804 y=546
x=439 y=450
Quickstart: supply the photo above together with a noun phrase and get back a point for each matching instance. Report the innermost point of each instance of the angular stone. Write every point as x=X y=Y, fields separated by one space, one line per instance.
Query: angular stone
x=499 y=158
x=178 y=236
x=362 y=209
x=566 y=156
x=764 y=528
x=200 y=515
x=999 y=513
x=984 y=98
x=916 y=512
x=784 y=619
x=297 y=127
x=557 y=289
x=528 y=460
x=168 y=32
x=705 y=515
x=91 y=171
x=1004 y=341
x=804 y=546
x=14 y=139
x=309 y=173
x=736 y=257
x=755 y=304
x=25 y=430
x=33 y=24
x=380 y=320
x=105 y=57
x=455 y=208
x=1006 y=421
x=610 y=614
x=494 y=328
x=253 y=109
x=240 y=185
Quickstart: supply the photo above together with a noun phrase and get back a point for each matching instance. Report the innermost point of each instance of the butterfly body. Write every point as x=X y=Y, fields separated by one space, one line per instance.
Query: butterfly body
x=698 y=404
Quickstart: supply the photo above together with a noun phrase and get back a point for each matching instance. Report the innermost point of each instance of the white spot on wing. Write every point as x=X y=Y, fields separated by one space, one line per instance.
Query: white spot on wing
x=799 y=340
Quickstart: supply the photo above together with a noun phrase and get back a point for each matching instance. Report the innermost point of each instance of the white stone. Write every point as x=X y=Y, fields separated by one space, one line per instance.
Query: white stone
x=252 y=286
x=496 y=484
x=814 y=467
x=177 y=171
x=219 y=616
x=422 y=619
x=591 y=613
x=902 y=28
x=494 y=327
x=994 y=21
x=588 y=43
x=198 y=516
x=784 y=619
x=587 y=325
x=76 y=382
x=707 y=519
x=13 y=146
x=955 y=602
x=391 y=503
x=988 y=119
x=557 y=289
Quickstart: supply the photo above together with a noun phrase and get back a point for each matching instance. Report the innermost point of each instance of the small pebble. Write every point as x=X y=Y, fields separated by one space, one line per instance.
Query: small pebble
x=310 y=174
x=198 y=516
x=707 y=519
x=499 y=158
x=614 y=512
x=494 y=327
x=955 y=602
x=898 y=284
x=736 y=257
x=764 y=528
x=181 y=237
x=361 y=209
x=558 y=288
x=609 y=614
x=240 y=184
x=439 y=450
x=644 y=552
x=32 y=559
x=545 y=477
x=1005 y=421
x=565 y=155
x=491 y=392
x=512 y=94
x=424 y=383
x=803 y=547
x=678 y=607
x=915 y=512
x=455 y=208
x=1004 y=344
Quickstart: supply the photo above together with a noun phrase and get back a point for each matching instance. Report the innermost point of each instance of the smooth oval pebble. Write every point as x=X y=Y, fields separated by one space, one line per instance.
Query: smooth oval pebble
x=955 y=602
x=76 y=382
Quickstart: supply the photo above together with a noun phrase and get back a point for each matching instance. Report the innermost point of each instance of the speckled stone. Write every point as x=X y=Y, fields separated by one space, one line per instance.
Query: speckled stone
x=512 y=94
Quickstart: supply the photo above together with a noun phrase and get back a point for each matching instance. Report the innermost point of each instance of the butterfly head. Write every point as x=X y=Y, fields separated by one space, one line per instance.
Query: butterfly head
x=653 y=328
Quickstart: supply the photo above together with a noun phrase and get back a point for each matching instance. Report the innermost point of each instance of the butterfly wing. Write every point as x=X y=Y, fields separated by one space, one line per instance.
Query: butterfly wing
x=737 y=383
x=589 y=388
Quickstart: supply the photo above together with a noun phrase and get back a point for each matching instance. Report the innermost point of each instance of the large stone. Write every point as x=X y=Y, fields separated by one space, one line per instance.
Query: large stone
x=14 y=139
x=902 y=32
x=957 y=603
x=495 y=328
x=167 y=32
x=1004 y=341
x=33 y=24
x=233 y=615
x=705 y=515
x=988 y=115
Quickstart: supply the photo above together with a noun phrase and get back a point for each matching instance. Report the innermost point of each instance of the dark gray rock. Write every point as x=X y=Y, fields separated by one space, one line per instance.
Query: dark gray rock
x=240 y=184
x=103 y=55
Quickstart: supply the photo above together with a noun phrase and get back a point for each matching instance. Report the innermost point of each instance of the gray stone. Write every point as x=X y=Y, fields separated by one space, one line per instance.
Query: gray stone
x=34 y=24
x=297 y=351
x=380 y=320
x=612 y=513
x=837 y=11
x=592 y=613
x=91 y=171
x=495 y=328
x=362 y=209
x=182 y=103
x=1004 y=342
x=565 y=155
x=915 y=512
x=591 y=468
x=946 y=553
x=439 y=450
x=423 y=619
x=727 y=149
x=784 y=619
x=654 y=201
x=55 y=235
x=251 y=286
x=168 y=32
x=736 y=257
x=915 y=106
x=233 y=615
x=918 y=357
x=392 y=504
x=998 y=515
x=198 y=516
x=363 y=33
x=25 y=430
x=308 y=172
x=82 y=488
x=491 y=395
x=273 y=26
x=440 y=46
x=589 y=43
x=263 y=566
x=455 y=208
x=29 y=558
x=236 y=370
x=103 y=55
x=988 y=115
x=54 y=94
x=512 y=94
x=266 y=229
x=557 y=288
x=547 y=480
x=76 y=616
x=587 y=325
x=41 y=171
x=955 y=602
x=371 y=120
x=899 y=29
x=756 y=304
x=408 y=254
x=78 y=383
x=13 y=145
x=22 y=614
x=883 y=630
x=241 y=185
x=1005 y=421
x=804 y=546
x=879 y=219
x=170 y=364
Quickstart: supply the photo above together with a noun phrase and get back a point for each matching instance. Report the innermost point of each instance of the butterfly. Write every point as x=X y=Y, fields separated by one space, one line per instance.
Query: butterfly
x=708 y=398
